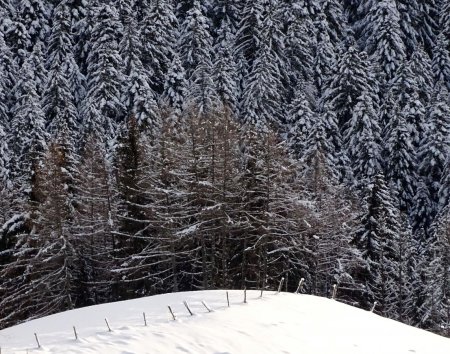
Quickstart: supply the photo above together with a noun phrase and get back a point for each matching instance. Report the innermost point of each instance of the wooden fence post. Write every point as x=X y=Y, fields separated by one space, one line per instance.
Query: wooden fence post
x=171 y=312
x=37 y=341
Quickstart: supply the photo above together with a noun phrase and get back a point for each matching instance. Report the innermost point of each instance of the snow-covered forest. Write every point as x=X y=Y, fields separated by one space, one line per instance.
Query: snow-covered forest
x=151 y=146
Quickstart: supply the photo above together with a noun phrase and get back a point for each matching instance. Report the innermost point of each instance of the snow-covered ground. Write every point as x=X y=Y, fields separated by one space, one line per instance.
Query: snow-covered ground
x=283 y=323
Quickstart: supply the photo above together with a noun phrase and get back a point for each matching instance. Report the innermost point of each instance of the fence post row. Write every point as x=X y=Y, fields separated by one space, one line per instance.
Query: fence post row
x=300 y=285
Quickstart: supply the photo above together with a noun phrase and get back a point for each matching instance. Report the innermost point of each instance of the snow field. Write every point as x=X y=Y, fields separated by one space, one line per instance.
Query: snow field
x=283 y=323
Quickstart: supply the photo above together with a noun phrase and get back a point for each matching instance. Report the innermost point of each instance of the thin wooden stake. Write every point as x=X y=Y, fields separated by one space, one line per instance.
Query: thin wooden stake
x=107 y=324
x=145 y=319
x=300 y=285
x=373 y=307
x=75 y=333
x=206 y=306
x=228 y=300
x=187 y=306
x=333 y=296
x=280 y=286
x=245 y=295
x=171 y=312
x=37 y=341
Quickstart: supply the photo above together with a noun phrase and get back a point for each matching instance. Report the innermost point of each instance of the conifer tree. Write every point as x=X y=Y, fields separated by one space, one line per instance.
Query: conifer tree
x=428 y=23
x=325 y=57
x=354 y=75
x=5 y=159
x=401 y=164
x=27 y=136
x=300 y=44
x=441 y=60
x=299 y=122
x=382 y=38
x=261 y=96
x=60 y=51
x=363 y=140
x=421 y=66
x=34 y=15
x=175 y=87
x=102 y=109
x=336 y=19
x=9 y=71
x=435 y=310
x=226 y=77
x=159 y=32
x=435 y=146
x=377 y=236
x=138 y=98
x=195 y=39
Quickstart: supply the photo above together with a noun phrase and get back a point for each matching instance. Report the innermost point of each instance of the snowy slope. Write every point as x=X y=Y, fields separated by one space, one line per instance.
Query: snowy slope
x=284 y=323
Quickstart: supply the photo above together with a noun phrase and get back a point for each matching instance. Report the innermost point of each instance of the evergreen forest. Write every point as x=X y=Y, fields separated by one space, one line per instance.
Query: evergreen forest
x=154 y=146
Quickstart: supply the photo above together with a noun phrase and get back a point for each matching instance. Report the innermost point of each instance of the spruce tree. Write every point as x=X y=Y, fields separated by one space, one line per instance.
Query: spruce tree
x=382 y=38
x=102 y=109
x=441 y=60
x=159 y=30
x=138 y=98
x=299 y=122
x=34 y=15
x=434 y=149
x=401 y=164
x=353 y=76
x=175 y=88
x=195 y=39
x=377 y=236
x=27 y=136
x=363 y=140
x=300 y=44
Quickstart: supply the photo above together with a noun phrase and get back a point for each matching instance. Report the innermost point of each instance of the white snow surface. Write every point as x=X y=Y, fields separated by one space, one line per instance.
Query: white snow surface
x=276 y=323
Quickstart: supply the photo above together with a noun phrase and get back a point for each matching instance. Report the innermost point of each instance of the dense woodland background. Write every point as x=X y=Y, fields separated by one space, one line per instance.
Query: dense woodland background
x=150 y=146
